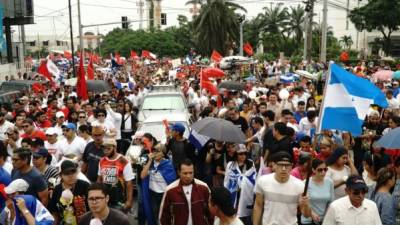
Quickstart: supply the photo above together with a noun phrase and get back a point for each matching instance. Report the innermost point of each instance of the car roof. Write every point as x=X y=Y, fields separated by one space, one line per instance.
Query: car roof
x=170 y=117
x=2 y=92
x=163 y=93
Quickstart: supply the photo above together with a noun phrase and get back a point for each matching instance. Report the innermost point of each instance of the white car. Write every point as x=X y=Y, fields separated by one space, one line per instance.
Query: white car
x=154 y=124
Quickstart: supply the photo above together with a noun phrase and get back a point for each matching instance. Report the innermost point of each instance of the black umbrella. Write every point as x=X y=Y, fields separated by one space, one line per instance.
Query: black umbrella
x=97 y=86
x=232 y=86
x=219 y=129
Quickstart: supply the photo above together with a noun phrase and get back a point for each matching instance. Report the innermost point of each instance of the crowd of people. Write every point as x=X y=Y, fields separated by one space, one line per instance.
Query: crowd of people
x=63 y=159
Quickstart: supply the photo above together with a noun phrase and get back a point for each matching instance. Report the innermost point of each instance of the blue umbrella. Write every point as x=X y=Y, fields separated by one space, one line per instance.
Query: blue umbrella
x=289 y=78
x=390 y=140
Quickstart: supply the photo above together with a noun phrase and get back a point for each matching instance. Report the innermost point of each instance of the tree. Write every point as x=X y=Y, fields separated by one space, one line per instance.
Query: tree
x=297 y=17
x=381 y=15
x=275 y=20
x=216 y=26
x=346 y=41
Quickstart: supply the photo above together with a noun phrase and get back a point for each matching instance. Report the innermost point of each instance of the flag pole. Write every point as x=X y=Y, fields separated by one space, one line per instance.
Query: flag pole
x=321 y=111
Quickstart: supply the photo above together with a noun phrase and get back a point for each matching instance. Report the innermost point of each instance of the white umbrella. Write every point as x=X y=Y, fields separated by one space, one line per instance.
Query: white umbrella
x=306 y=74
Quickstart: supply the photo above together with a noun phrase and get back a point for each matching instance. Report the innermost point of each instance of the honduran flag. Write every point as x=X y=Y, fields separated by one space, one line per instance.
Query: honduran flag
x=39 y=212
x=198 y=140
x=347 y=100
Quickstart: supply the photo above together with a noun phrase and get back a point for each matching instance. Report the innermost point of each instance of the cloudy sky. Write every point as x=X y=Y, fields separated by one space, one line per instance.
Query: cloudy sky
x=51 y=16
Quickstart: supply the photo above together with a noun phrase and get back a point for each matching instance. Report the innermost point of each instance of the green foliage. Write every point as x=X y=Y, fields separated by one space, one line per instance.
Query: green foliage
x=171 y=42
x=381 y=15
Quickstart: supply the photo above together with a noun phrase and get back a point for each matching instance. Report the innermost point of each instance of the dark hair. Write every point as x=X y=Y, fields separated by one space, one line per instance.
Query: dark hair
x=84 y=128
x=25 y=154
x=186 y=162
x=28 y=120
x=26 y=140
x=290 y=131
x=220 y=197
x=98 y=111
x=396 y=120
x=151 y=138
x=281 y=128
x=258 y=120
x=99 y=187
x=285 y=112
x=311 y=114
x=382 y=177
x=3 y=151
x=305 y=138
x=316 y=163
x=269 y=114
x=397 y=162
x=301 y=103
x=336 y=155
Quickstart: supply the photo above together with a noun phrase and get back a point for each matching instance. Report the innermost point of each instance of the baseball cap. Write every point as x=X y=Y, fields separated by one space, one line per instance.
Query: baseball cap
x=356 y=182
x=59 y=114
x=68 y=166
x=51 y=131
x=281 y=156
x=110 y=141
x=71 y=126
x=18 y=185
x=138 y=134
x=42 y=152
x=178 y=127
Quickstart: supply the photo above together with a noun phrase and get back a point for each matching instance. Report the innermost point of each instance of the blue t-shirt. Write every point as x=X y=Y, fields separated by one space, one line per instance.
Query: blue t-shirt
x=35 y=180
x=386 y=204
x=5 y=179
x=320 y=197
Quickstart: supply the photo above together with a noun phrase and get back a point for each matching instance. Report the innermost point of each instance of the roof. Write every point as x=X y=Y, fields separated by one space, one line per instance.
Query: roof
x=170 y=117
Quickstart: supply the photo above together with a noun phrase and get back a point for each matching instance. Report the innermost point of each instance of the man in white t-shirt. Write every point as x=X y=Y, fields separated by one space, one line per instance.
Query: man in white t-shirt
x=53 y=145
x=73 y=146
x=279 y=194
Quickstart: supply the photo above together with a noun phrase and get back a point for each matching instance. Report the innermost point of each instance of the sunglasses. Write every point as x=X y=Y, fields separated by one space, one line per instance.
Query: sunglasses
x=9 y=133
x=82 y=117
x=320 y=170
x=358 y=192
x=101 y=115
x=25 y=126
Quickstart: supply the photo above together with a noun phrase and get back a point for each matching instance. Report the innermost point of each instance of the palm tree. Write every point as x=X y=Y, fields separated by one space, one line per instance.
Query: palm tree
x=346 y=41
x=297 y=17
x=217 y=25
x=275 y=20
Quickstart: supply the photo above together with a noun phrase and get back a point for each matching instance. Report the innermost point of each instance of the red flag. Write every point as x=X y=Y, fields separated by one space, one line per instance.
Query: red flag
x=210 y=87
x=118 y=59
x=216 y=56
x=44 y=70
x=148 y=54
x=90 y=70
x=344 y=57
x=133 y=54
x=213 y=72
x=67 y=55
x=95 y=58
x=81 y=88
x=248 y=49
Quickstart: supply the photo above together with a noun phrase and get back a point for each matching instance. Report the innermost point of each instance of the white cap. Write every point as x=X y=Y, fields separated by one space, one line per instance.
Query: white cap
x=138 y=134
x=59 y=114
x=241 y=148
x=51 y=131
x=18 y=185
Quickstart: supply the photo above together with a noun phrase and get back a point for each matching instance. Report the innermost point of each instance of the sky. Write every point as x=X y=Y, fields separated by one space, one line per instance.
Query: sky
x=51 y=16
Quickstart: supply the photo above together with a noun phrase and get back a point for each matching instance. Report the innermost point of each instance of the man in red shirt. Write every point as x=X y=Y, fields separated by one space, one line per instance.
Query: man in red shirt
x=41 y=121
x=31 y=132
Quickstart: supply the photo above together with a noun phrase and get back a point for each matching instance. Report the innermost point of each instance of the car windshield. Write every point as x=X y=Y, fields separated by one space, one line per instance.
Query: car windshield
x=163 y=102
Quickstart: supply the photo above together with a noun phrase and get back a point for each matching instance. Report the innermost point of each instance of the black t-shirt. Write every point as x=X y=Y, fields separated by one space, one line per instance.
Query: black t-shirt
x=92 y=156
x=80 y=205
x=34 y=178
x=114 y=217
x=241 y=123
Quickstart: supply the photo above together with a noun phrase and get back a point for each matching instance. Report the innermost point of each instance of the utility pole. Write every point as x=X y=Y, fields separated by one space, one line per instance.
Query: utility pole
x=140 y=4
x=23 y=37
x=72 y=37
x=348 y=12
x=309 y=31
x=242 y=18
x=358 y=33
x=81 y=46
x=305 y=39
x=324 y=31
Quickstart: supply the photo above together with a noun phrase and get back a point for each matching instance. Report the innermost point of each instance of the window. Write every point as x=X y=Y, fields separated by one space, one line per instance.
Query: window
x=59 y=43
x=32 y=43
x=45 y=43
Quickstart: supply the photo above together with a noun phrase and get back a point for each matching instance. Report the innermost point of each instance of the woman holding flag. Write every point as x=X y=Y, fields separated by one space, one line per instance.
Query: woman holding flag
x=156 y=175
x=240 y=176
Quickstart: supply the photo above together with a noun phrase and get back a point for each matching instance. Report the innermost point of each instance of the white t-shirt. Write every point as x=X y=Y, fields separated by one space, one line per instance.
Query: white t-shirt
x=280 y=199
x=237 y=221
x=76 y=147
x=187 y=190
x=55 y=150
x=337 y=175
x=157 y=182
x=305 y=125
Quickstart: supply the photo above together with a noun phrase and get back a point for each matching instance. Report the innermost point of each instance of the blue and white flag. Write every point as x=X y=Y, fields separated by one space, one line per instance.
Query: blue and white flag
x=347 y=101
x=198 y=140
